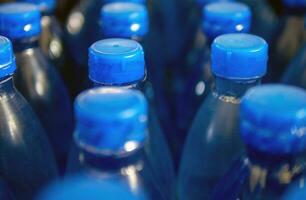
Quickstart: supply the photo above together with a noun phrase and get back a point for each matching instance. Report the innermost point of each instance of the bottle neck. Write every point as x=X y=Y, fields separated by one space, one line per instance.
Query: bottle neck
x=24 y=44
x=233 y=89
x=122 y=86
x=6 y=84
x=274 y=172
x=112 y=163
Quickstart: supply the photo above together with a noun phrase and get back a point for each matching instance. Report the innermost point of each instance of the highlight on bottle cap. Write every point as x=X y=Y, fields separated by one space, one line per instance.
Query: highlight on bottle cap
x=225 y=17
x=116 y=62
x=7 y=58
x=19 y=20
x=110 y=120
x=45 y=6
x=239 y=56
x=124 y=20
x=81 y=187
x=273 y=119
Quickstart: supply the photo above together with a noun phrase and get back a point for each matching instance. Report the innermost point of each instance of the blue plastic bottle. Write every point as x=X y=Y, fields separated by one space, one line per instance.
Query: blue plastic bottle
x=238 y=63
x=218 y=18
x=131 y=21
x=51 y=36
x=111 y=136
x=272 y=126
x=289 y=39
x=86 y=187
x=27 y=162
x=36 y=78
x=296 y=70
x=120 y=63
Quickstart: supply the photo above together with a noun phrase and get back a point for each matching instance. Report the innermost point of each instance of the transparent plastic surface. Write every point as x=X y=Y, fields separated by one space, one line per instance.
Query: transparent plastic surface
x=27 y=162
x=213 y=142
x=261 y=176
x=296 y=71
x=132 y=168
x=42 y=86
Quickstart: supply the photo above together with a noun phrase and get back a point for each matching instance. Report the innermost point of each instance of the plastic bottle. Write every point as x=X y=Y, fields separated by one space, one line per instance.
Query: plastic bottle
x=51 y=36
x=238 y=63
x=110 y=136
x=289 y=39
x=272 y=126
x=218 y=18
x=27 y=162
x=120 y=63
x=131 y=21
x=81 y=187
x=296 y=70
x=36 y=78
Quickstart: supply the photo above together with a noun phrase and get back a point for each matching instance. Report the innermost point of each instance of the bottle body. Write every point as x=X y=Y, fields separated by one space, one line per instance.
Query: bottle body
x=132 y=169
x=41 y=85
x=261 y=176
x=27 y=162
x=213 y=142
x=296 y=72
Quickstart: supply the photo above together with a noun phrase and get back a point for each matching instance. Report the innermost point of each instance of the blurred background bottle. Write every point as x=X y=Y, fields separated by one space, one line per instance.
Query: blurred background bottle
x=27 y=162
x=273 y=129
x=296 y=71
x=36 y=78
x=111 y=142
x=196 y=79
x=213 y=141
x=290 y=37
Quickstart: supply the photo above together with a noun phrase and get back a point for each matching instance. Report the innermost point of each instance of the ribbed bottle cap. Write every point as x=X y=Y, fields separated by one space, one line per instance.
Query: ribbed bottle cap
x=225 y=17
x=239 y=56
x=7 y=58
x=294 y=3
x=125 y=20
x=127 y=1
x=116 y=62
x=81 y=187
x=205 y=2
x=19 y=20
x=273 y=119
x=110 y=120
x=45 y=6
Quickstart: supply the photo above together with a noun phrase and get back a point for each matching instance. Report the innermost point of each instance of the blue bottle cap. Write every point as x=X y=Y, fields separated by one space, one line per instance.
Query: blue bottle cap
x=273 y=119
x=116 y=62
x=128 y=1
x=202 y=3
x=110 y=120
x=45 y=6
x=124 y=20
x=239 y=56
x=7 y=58
x=81 y=187
x=294 y=3
x=225 y=17
x=19 y=20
